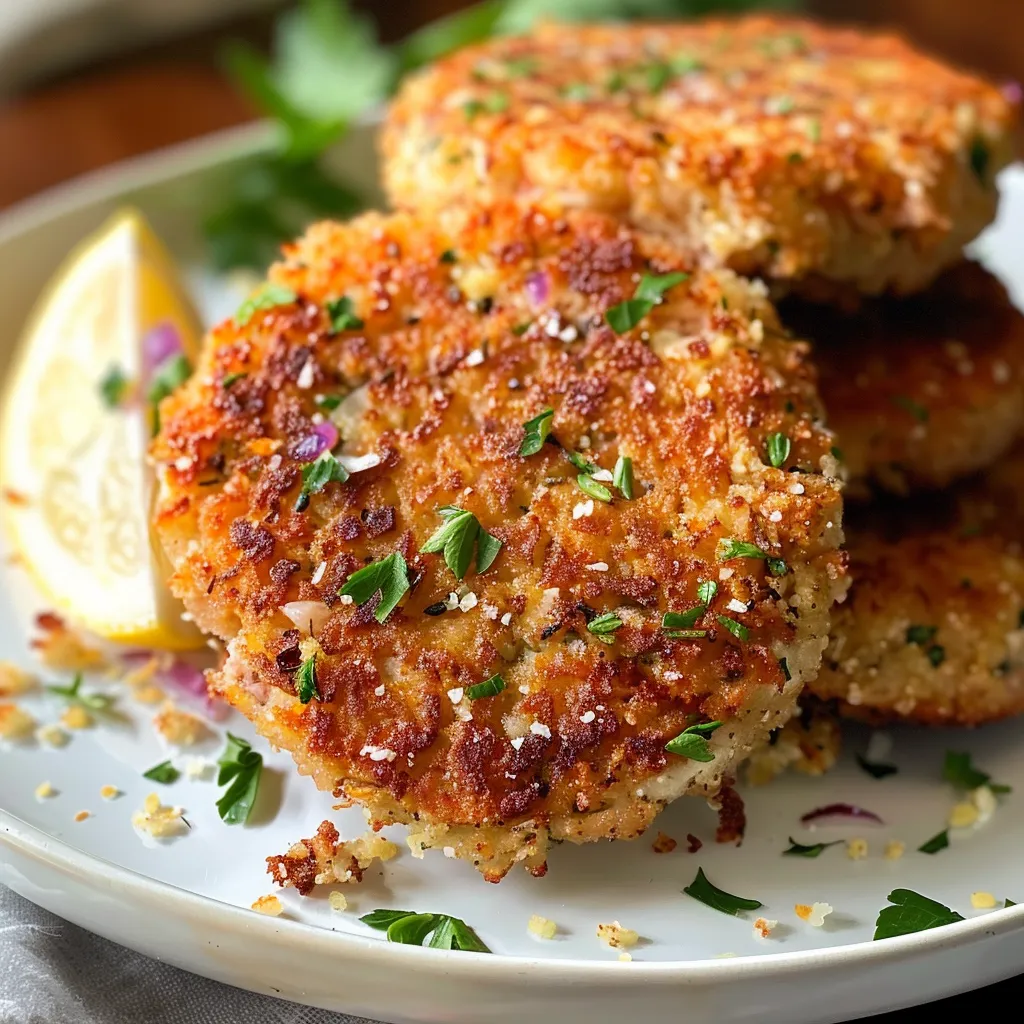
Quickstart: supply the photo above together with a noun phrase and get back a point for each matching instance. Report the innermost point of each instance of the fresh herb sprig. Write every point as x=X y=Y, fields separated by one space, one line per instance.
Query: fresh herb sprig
x=692 y=742
x=457 y=539
x=98 y=703
x=958 y=769
x=316 y=475
x=240 y=770
x=718 y=899
x=411 y=928
x=910 y=912
x=649 y=293
x=307 y=686
x=389 y=577
x=165 y=773
x=796 y=849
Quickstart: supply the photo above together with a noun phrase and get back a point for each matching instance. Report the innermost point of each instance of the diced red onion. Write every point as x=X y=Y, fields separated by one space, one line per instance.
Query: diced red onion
x=538 y=287
x=306 y=614
x=158 y=345
x=186 y=677
x=841 y=811
x=1012 y=91
x=323 y=438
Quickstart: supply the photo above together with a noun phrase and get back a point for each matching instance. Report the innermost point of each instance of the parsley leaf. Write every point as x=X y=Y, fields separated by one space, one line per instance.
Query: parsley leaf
x=778 y=447
x=306 y=682
x=604 y=626
x=875 y=769
x=814 y=850
x=328 y=402
x=649 y=292
x=451 y=32
x=232 y=378
x=706 y=591
x=410 y=928
x=342 y=314
x=683 y=620
x=921 y=635
x=622 y=476
x=737 y=629
x=240 y=766
x=582 y=464
x=316 y=475
x=166 y=379
x=389 y=577
x=113 y=387
x=692 y=742
x=100 y=703
x=729 y=549
x=936 y=843
x=911 y=912
x=164 y=772
x=958 y=769
x=710 y=895
x=589 y=486
x=537 y=431
x=267 y=296
x=488 y=688
x=458 y=536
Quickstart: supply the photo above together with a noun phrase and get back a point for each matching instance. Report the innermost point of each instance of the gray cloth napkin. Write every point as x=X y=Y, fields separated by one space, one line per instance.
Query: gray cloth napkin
x=52 y=972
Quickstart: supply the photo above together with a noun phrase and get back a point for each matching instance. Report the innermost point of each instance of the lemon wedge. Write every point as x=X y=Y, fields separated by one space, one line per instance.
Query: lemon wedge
x=76 y=423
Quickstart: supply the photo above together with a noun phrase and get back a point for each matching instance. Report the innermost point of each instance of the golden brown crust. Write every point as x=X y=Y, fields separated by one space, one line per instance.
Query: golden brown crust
x=439 y=381
x=810 y=154
x=920 y=390
x=933 y=628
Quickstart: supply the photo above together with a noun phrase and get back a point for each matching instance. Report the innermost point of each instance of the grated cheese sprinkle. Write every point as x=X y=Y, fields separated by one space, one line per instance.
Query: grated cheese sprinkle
x=542 y=927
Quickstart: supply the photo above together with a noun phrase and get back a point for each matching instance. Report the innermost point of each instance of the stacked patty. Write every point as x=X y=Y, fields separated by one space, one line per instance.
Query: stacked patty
x=836 y=165
x=517 y=524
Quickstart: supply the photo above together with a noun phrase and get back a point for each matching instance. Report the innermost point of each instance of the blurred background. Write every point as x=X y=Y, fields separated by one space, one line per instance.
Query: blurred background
x=84 y=83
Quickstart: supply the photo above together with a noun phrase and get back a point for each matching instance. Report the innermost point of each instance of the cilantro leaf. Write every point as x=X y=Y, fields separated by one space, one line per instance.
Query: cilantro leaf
x=316 y=475
x=451 y=32
x=166 y=379
x=306 y=682
x=911 y=912
x=622 y=476
x=958 y=769
x=737 y=629
x=389 y=577
x=652 y=287
x=100 y=703
x=683 y=620
x=457 y=538
x=729 y=549
x=604 y=626
x=411 y=928
x=342 y=314
x=940 y=841
x=692 y=742
x=875 y=769
x=589 y=486
x=921 y=635
x=240 y=770
x=382 y=920
x=649 y=292
x=706 y=591
x=164 y=772
x=232 y=378
x=267 y=296
x=487 y=548
x=814 y=850
x=710 y=895
x=536 y=432
x=113 y=387
x=488 y=688
x=778 y=447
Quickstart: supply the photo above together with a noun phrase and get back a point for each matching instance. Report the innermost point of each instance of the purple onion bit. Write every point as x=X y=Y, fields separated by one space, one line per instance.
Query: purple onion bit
x=323 y=438
x=538 y=287
x=159 y=345
x=1012 y=91
x=841 y=811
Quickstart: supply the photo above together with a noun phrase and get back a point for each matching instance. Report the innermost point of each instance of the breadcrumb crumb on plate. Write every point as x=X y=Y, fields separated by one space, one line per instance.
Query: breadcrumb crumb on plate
x=616 y=936
x=52 y=735
x=44 y=791
x=269 y=905
x=542 y=927
x=76 y=717
x=159 y=821
x=814 y=914
x=857 y=849
x=15 y=680
x=763 y=927
x=15 y=722
x=983 y=901
x=180 y=728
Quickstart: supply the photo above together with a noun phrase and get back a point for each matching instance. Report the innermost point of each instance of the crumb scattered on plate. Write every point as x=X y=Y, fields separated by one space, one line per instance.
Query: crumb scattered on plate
x=269 y=905
x=159 y=821
x=44 y=791
x=337 y=900
x=763 y=927
x=542 y=927
x=814 y=914
x=15 y=680
x=983 y=900
x=894 y=849
x=15 y=723
x=963 y=815
x=75 y=717
x=857 y=849
x=109 y=792
x=52 y=735
x=323 y=859
x=663 y=844
x=81 y=816
x=179 y=728
x=616 y=936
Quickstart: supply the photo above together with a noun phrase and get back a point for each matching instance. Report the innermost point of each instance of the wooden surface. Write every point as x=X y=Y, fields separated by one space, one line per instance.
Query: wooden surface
x=157 y=98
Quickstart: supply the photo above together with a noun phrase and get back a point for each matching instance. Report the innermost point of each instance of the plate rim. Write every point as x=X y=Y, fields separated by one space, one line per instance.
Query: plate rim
x=204 y=153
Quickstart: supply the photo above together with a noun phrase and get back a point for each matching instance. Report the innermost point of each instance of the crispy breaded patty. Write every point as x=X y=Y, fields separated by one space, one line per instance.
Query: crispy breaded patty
x=813 y=155
x=933 y=628
x=440 y=338
x=920 y=390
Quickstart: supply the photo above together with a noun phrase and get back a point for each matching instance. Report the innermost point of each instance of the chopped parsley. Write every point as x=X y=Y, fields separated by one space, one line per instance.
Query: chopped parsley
x=536 y=432
x=622 y=476
x=814 y=130
x=683 y=620
x=457 y=538
x=706 y=591
x=916 y=409
x=576 y=91
x=582 y=464
x=495 y=103
x=389 y=577
x=692 y=742
x=730 y=549
x=604 y=626
x=710 y=895
x=267 y=296
x=241 y=767
x=488 y=688
x=306 y=682
x=814 y=850
x=328 y=402
x=778 y=447
x=113 y=387
x=649 y=292
x=875 y=769
x=164 y=772
x=911 y=912
x=100 y=703
x=958 y=769
x=936 y=843
x=232 y=378
x=167 y=378
x=921 y=635
x=980 y=160
x=589 y=486
x=678 y=625
x=936 y=655
x=658 y=75
x=448 y=256
x=342 y=314
x=737 y=629
x=410 y=928
x=324 y=469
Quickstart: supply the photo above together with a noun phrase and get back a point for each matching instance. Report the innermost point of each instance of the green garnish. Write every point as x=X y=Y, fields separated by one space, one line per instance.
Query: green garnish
x=316 y=475
x=814 y=850
x=911 y=912
x=604 y=626
x=495 y=103
x=649 y=292
x=113 y=387
x=814 y=130
x=730 y=549
x=582 y=464
x=168 y=377
x=448 y=256
x=622 y=476
x=267 y=296
x=876 y=770
x=686 y=63
x=576 y=91
x=692 y=742
x=737 y=629
x=921 y=635
x=706 y=591
x=342 y=314
x=916 y=409
x=233 y=378
x=588 y=485
x=164 y=772
x=328 y=402
x=678 y=624
x=936 y=655
x=488 y=688
x=783 y=105
x=306 y=683
x=458 y=536
x=778 y=447
x=240 y=766
x=97 y=702
x=683 y=620
x=980 y=160
x=410 y=928
x=389 y=576
x=710 y=895
x=658 y=76
x=536 y=432
x=958 y=769
x=936 y=843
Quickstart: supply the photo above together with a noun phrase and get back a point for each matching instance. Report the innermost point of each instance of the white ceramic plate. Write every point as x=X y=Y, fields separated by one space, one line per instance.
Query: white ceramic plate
x=186 y=900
